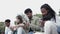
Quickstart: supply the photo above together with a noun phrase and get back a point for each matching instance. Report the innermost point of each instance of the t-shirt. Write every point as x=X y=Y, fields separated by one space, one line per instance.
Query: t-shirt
x=20 y=30
x=50 y=27
x=8 y=30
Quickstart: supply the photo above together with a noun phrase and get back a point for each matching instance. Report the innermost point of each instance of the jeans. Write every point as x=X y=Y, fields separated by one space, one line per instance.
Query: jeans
x=58 y=32
x=58 y=29
x=15 y=32
x=31 y=32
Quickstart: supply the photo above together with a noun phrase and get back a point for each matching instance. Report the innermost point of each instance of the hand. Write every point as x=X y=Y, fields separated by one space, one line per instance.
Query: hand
x=13 y=28
x=42 y=23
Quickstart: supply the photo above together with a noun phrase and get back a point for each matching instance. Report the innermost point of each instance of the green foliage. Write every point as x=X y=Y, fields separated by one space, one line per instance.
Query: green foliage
x=2 y=27
x=38 y=15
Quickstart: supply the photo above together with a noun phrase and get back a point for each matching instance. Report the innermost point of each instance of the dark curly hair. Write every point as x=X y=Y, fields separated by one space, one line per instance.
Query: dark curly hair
x=50 y=14
x=28 y=10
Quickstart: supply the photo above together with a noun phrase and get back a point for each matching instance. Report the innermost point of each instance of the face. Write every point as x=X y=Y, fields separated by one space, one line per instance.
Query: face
x=17 y=20
x=44 y=11
x=29 y=15
x=7 y=24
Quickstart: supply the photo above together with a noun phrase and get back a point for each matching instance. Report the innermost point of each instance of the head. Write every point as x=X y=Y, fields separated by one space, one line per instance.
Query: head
x=28 y=12
x=19 y=19
x=7 y=22
x=47 y=12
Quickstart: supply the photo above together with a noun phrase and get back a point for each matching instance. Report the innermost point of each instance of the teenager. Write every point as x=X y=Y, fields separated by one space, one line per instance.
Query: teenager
x=19 y=21
x=33 y=20
x=7 y=27
x=48 y=15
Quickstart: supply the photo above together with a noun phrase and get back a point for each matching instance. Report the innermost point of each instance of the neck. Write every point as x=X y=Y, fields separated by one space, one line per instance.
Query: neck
x=30 y=18
x=7 y=26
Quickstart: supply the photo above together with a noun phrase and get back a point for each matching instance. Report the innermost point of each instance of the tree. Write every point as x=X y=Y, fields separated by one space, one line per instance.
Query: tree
x=38 y=15
x=2 y=27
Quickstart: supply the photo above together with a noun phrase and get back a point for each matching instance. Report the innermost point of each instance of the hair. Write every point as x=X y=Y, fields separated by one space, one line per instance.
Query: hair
x=28 y=10
x=50 y=14
x=20 y=18
x=7 y=20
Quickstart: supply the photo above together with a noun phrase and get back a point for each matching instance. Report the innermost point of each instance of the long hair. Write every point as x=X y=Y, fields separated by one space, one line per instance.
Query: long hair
x=50 y=14
x=20 y=19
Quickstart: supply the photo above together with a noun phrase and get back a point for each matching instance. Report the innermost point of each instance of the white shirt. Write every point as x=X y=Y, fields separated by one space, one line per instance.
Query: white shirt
x=58 y=23
x=8 y=30
x=50 y=27
x=20 y=30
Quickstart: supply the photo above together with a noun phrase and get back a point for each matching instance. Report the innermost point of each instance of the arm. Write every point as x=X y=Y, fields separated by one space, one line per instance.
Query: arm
x=47 y=27
x=20 y=25
x=35 y=24
x=16 y=26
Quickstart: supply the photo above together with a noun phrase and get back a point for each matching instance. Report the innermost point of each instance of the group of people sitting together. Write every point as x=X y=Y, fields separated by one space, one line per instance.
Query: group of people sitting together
x=29 y=24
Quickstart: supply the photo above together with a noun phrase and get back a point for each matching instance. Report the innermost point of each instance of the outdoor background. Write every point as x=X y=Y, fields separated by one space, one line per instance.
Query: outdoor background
x=10 y=8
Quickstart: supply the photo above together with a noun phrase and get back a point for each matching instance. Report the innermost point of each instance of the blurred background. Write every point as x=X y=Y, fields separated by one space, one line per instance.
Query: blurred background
x=10 y=8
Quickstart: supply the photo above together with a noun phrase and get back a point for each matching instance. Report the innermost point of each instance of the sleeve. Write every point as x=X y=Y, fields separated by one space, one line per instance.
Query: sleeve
x=47 y=27
x=37 y=27
x=35 y=24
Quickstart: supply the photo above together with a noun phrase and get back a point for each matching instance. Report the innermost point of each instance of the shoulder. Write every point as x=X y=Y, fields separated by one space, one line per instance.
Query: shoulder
x=7 y=29
x=48 y=22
